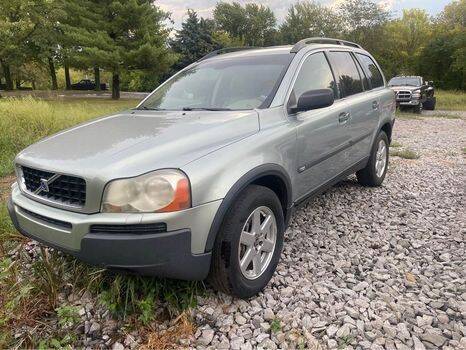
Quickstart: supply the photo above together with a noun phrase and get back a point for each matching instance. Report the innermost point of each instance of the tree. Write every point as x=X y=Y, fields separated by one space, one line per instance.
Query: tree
x=443 y=56
x=81 y=38
x=309 y=19
x=135 y=35
x=194 y=40
x=253 y=24
x=44 y=42
x=408 y=36
x=16 y=28
x=260 y=25
x=363 y=23
x=231 y=18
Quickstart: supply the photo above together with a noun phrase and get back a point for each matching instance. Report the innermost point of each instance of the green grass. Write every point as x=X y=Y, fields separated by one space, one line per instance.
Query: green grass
x=451 y=100
x=32 y=296
x=24 y=121
x=275 y=326
x=404 y=153
x=396 y=144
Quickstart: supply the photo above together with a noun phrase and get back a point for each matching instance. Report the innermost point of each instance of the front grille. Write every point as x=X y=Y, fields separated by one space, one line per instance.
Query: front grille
x=403 y=95
x=130 y=229
x=64 y=189
x=55 y=222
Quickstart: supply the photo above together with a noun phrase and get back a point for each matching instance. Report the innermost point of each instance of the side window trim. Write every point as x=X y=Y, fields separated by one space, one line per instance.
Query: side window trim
x=298 y=70
x=362 y=73
x=333 y=74
x=361 y=64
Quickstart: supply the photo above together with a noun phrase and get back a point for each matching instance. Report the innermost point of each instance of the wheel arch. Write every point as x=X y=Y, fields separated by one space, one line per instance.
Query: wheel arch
x=387 y=128
x=272 y=176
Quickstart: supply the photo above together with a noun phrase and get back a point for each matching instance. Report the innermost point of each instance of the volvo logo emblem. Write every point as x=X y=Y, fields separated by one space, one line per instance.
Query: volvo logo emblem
x=44 y=185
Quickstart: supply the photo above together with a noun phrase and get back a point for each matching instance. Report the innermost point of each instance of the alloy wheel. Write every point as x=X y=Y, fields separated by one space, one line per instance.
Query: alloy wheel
x=381 y=158
x=257 y=242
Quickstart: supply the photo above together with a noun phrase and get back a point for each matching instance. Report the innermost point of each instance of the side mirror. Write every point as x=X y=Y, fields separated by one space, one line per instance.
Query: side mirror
x=314 y=99
x=430 y=83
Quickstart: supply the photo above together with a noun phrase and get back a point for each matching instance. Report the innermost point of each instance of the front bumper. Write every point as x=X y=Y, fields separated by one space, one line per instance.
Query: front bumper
x=408 y=103
x=177 y=253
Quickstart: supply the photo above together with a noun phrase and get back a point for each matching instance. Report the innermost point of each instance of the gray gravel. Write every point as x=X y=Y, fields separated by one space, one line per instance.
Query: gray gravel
x=366 y=268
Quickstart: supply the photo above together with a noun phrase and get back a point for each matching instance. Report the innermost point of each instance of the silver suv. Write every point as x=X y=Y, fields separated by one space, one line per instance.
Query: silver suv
x=200 y=180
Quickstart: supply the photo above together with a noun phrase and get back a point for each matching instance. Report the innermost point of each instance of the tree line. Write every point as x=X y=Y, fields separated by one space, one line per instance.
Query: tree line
x=131 y=42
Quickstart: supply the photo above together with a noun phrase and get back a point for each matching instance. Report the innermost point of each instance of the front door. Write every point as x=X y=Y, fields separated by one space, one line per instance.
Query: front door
x=322 y=134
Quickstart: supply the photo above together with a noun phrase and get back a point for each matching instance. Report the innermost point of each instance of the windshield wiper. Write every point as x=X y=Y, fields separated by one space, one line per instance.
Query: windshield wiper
x=205 y=109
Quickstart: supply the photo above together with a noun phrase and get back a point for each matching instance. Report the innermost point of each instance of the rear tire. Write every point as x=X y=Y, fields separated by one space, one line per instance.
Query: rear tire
x=227 y=273
x=374 y=172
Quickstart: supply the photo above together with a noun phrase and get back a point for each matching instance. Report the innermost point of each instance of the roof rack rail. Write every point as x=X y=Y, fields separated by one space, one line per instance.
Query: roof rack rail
x=303 y=43
x=227 y=50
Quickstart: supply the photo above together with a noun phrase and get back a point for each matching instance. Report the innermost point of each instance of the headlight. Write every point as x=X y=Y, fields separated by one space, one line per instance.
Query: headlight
x=160 y=191
x=416 y=94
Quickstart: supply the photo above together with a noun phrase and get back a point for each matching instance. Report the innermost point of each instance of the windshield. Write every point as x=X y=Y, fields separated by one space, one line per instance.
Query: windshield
x=222 y=84
x=404 y=81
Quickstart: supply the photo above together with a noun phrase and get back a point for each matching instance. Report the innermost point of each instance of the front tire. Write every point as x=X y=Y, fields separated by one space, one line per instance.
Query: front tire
x=374 y=172
x=248 y=247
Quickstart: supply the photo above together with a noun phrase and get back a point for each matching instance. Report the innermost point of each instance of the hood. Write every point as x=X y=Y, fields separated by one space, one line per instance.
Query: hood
x=404 y=88
x=135 y=142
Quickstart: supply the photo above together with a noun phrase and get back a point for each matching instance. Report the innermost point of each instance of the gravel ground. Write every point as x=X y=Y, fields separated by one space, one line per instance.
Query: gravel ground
x=366 y=268
x=461 y=114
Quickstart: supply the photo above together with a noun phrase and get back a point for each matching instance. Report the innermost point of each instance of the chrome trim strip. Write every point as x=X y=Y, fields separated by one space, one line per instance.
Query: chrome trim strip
x=330 y=154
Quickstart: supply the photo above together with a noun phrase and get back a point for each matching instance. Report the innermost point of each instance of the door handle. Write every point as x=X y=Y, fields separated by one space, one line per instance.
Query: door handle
x=344 y=117
x=375 y=105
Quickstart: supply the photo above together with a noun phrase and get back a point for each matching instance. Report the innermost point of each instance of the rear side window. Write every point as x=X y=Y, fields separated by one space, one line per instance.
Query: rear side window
x=347 y=75
x=372 y=72
x=315 y=74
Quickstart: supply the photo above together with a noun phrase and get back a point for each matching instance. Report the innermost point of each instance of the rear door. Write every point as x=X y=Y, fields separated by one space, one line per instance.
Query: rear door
x=322 y=134
x=363 y=104
x=366 y=123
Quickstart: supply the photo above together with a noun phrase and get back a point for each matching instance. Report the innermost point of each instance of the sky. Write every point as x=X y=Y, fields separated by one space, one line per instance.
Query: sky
x=204 y=8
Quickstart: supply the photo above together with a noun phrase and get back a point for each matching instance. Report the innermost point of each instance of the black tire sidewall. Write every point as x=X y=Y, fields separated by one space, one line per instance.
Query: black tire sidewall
x=430 y=104
x=252 y=198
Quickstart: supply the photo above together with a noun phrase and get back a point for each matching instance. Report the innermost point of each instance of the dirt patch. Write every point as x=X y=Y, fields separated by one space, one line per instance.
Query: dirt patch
x=182 y=328
x=5 y=186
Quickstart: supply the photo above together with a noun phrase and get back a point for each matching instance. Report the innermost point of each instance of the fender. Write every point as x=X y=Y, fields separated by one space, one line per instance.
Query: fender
x=381 y=127
x=245 y=180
